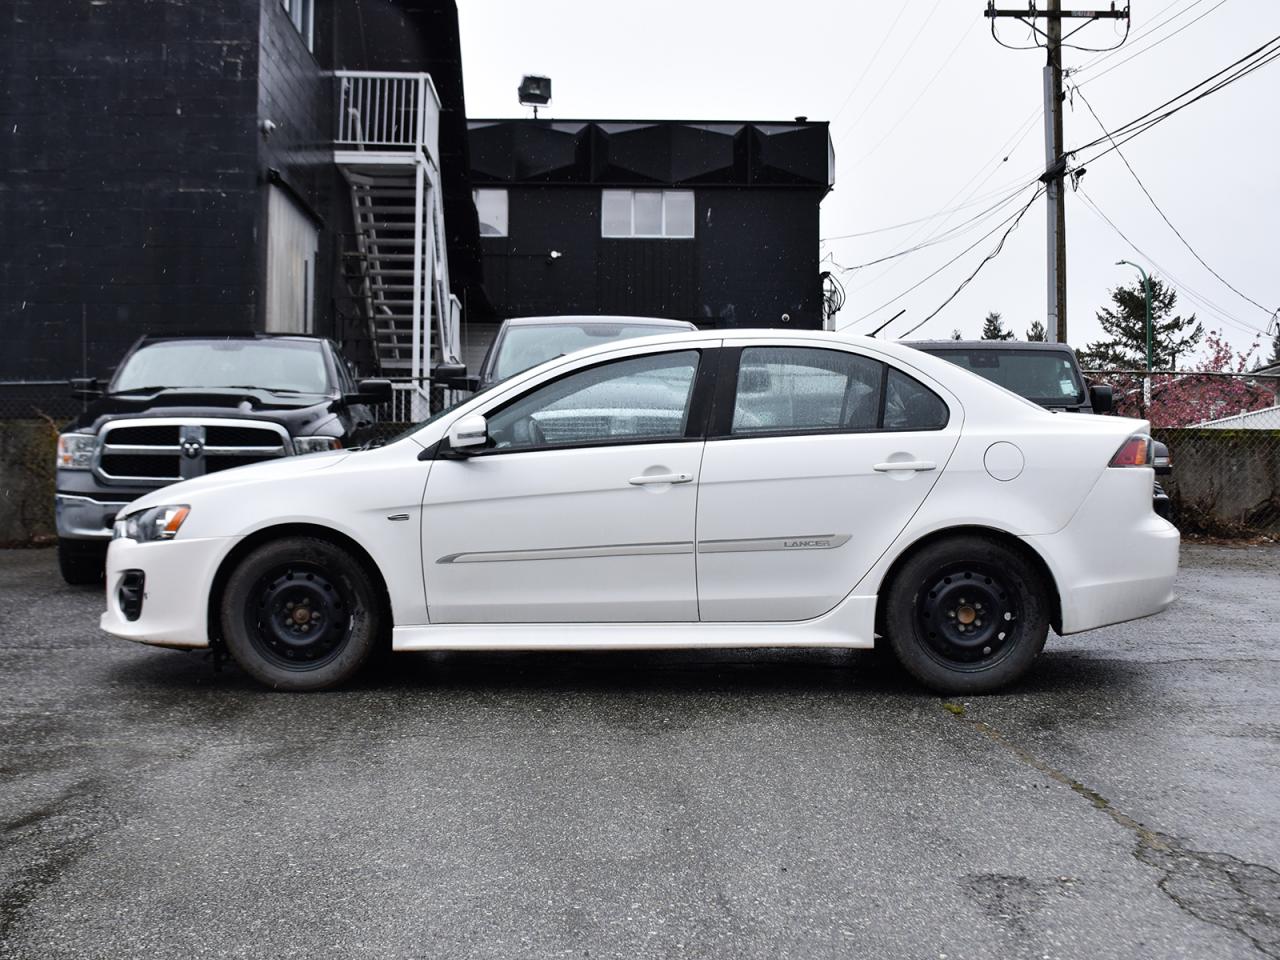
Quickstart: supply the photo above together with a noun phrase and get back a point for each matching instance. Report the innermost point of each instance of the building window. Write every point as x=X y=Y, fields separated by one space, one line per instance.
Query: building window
x=646 y=213
x=303 y=15
x=491 y=207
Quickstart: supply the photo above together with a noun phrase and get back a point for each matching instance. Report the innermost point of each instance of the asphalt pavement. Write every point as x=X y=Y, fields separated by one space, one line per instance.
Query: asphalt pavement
x=1122 y=802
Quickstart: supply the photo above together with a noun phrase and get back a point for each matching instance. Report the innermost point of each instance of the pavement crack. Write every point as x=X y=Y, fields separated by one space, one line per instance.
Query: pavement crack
x=1216 y=888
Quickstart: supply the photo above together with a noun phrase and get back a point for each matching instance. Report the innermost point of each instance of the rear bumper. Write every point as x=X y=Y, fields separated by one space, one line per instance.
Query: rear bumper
x=175 y=598
x=1116 y=560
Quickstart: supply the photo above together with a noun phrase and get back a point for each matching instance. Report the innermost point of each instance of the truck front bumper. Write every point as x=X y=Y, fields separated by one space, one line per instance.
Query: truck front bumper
x=83 y=518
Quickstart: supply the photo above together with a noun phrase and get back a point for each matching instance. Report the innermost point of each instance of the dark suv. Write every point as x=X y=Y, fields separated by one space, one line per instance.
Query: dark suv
x=1048 y=374
x=182 y=407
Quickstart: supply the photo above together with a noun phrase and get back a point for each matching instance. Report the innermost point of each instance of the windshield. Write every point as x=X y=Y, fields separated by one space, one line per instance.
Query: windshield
x=523 y=347
x=285 y=366
x=1042 y=376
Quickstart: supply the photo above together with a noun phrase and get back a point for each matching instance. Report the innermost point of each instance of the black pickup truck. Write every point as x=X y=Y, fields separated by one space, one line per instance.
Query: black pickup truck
x=1048 y=374
x=182 y=407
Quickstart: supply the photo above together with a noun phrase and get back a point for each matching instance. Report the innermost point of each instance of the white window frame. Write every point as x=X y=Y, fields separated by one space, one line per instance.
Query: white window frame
x=302 y=14
x=664 y=234
x=506 y=213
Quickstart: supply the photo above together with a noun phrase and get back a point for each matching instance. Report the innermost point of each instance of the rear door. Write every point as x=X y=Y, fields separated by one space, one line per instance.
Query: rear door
x=817 y=458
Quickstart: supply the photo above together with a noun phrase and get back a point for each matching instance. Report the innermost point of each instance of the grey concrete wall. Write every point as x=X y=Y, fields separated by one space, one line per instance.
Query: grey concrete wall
x=27 y=448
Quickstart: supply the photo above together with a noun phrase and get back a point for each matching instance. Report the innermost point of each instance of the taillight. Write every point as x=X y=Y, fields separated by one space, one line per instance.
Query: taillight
x=1134 y=452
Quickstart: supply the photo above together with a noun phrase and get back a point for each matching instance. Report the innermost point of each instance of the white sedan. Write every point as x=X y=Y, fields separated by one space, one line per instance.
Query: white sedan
x=746 y=488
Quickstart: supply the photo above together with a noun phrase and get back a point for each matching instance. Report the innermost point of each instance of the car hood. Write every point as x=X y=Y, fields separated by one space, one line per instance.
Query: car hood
x=280 y=469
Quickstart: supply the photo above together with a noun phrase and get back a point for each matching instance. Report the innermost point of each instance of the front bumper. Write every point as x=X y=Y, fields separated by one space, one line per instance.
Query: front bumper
x=83 y=518
x=175 y=601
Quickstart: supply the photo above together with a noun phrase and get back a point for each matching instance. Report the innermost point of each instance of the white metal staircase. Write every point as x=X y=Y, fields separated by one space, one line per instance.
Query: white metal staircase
x=387 y=149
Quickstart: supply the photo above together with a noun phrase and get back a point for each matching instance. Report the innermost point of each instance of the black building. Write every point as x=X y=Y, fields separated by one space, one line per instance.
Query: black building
x=713 y=222
x=215 y=165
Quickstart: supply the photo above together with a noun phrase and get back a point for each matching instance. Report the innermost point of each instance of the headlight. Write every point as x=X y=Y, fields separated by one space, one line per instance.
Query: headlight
x=75 y=451
x=157 y=523
x=315 y=444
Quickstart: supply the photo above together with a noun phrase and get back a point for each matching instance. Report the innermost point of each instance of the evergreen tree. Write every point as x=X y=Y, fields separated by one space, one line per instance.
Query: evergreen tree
x=1035 y=333
x=1125 y=326
x=993 y=328
x=956 y=335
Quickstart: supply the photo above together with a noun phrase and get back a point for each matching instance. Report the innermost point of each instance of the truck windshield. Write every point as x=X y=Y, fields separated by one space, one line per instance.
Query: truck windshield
x=288 y=366
x=1042 y=376
x=523 y=347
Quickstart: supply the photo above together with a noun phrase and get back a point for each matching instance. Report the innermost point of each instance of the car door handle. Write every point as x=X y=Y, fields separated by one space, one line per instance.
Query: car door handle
x=661 y=478
x=916 y=465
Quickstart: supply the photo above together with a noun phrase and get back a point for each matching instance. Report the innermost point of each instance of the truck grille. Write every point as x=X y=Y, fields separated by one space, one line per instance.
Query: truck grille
x=155 y=453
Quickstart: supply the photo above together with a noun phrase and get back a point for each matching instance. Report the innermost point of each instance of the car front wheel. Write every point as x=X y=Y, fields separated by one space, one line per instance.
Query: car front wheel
x=967 y=615
x=301 y=614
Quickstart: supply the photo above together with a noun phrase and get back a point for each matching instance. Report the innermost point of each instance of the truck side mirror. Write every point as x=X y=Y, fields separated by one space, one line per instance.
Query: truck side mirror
x=373 y=392
x=449 y=372
x=1101 y=398
x=85 y=388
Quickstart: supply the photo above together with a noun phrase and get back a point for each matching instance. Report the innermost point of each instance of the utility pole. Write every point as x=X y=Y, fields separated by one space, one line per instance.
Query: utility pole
x=1055 y=163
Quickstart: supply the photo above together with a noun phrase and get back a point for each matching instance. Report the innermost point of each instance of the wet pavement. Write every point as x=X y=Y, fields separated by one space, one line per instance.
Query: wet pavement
x=1120 y=803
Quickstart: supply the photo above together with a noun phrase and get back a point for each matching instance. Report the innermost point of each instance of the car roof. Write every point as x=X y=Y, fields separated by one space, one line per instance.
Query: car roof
x=612 y=320
x=984 y=345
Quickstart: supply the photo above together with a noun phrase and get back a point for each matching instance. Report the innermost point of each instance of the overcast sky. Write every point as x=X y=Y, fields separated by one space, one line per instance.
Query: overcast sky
x=927 y=112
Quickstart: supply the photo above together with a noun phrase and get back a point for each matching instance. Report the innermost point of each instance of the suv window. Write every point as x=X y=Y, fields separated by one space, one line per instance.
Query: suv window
x=805 y=389
x=638 y=399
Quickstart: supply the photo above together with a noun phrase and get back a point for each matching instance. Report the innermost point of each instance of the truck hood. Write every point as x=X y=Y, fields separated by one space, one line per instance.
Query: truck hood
x=292 y=411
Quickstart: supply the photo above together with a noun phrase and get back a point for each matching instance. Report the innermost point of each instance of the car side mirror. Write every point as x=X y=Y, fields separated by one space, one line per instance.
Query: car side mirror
x=85 y=388
x=468 y=434
x=1160 y=459
x=375 y=392
x=1101 y=398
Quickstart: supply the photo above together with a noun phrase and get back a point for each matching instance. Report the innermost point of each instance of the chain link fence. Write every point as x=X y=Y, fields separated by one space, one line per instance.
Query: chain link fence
x=1223 y=434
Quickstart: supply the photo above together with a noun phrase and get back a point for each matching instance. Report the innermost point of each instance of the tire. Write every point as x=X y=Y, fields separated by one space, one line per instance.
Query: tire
x=82 y=562
x=301 y=614
x=947 y=606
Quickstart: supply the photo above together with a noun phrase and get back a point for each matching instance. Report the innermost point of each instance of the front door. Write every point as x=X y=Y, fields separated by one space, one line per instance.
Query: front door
x=817 y=459
x=582 y=509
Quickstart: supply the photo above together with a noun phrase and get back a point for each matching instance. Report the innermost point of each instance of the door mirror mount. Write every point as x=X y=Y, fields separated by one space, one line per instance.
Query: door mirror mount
x=468 y=435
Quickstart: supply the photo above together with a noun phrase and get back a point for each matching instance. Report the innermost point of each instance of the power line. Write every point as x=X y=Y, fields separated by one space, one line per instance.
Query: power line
x=1186 y=243
x=870 y=63
x=1189 y=292
x=976 y=270
x=892 y=72
x=1004 y=191
x=1149 y=47
x=930 y=276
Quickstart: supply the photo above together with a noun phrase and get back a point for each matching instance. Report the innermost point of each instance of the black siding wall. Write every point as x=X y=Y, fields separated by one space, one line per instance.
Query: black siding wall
x=128 y=191
x=752 y=259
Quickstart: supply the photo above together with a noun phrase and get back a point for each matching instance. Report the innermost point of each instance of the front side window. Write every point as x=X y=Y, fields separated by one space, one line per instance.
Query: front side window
x=805 y=389
x=646 y=213
x=638 y=399
x=491 y=208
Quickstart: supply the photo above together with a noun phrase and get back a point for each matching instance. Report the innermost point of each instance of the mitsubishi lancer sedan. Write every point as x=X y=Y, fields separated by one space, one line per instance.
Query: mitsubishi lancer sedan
x=717 y=489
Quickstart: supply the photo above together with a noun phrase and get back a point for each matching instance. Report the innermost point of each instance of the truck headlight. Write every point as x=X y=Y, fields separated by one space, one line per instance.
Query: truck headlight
x=315 y=444
x=157 y=523
x=75 y=451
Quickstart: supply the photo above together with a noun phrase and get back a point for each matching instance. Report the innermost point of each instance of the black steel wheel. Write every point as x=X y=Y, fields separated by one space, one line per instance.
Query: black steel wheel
x=301 y=614
x=82 y=562
x=967 y=614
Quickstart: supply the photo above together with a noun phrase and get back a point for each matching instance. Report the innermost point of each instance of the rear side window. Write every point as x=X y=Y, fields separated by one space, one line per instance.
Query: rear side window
x=910 y=405
x=815 y=390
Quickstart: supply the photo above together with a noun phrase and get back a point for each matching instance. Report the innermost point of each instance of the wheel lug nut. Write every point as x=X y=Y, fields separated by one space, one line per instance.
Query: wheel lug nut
x=289 y=605
x=986 y=651
x=315 y=614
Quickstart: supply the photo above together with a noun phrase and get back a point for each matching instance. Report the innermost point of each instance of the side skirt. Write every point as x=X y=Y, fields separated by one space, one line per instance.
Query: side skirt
x=850 y=624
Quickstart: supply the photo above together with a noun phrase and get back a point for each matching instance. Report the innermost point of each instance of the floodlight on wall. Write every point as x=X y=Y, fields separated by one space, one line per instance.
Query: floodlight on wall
x=534 y=92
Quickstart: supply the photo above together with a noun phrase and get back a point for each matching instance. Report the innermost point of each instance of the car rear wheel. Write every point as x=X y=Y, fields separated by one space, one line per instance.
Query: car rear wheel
x=82 y=562
x=967 y=615
x=301 y=614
